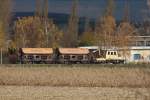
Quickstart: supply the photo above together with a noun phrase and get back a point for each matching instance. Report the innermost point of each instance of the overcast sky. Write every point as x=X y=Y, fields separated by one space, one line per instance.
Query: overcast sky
x=91 y=8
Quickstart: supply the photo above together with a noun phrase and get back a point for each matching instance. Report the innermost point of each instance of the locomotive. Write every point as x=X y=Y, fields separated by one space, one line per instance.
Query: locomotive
x=68 y=56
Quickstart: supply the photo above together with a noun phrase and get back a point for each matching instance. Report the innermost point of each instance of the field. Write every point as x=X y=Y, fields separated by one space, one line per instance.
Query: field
x=72 y=93
x=75 y=82
x=75 y=76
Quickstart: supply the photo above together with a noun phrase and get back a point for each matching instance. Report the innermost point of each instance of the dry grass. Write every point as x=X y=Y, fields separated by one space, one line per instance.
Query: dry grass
x=75 y=76
x=72 y=93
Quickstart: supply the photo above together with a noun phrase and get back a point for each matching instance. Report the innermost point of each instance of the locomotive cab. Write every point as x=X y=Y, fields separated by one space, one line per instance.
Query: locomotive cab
x=109 y=56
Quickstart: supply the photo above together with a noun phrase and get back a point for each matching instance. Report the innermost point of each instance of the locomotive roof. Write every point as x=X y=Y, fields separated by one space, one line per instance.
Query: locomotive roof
x=73 y=51
x=37 y=50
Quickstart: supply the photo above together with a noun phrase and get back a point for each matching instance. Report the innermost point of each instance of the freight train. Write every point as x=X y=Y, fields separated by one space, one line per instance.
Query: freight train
x=68 y=56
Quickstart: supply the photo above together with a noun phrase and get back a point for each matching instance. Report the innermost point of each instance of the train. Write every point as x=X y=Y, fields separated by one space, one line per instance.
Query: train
x=68 y=56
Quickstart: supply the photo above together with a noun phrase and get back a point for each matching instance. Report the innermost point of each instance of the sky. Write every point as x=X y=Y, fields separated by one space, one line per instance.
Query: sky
x=90 y=8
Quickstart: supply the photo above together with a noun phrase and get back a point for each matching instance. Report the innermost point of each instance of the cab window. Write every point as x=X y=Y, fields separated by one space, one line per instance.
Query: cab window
x=112 y=53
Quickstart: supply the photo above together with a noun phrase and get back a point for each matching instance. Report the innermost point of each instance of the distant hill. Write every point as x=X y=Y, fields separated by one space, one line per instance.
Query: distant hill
x=57 y=17
x=61 y=19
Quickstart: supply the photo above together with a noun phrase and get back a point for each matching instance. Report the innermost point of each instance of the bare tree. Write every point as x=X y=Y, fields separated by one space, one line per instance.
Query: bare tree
x=38 y=8
x=71 y=36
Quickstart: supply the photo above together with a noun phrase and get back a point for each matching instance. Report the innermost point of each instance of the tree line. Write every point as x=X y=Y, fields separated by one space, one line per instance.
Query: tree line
x=40 y=30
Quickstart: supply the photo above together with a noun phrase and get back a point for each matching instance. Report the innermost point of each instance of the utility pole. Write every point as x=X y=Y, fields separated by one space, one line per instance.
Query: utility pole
x=1 y=56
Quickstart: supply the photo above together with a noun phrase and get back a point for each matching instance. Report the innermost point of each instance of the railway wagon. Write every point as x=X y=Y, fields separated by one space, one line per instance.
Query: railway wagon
x=73 y=55
x=36 y=55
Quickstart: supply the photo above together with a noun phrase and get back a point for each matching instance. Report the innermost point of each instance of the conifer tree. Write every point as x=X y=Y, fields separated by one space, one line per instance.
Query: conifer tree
x=110 y=7
x=71 y=36
x=126 y=16
x=125 y=32
x=45 y=9
x=45 y=20
x=105 y=27
x=146 y=19
x=5 y=16
x=38 y=8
